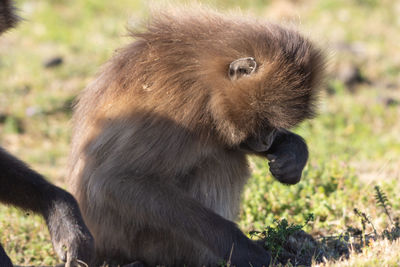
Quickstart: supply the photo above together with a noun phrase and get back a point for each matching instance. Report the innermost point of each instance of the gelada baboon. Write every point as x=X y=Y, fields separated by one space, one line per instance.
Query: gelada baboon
x=22 y=187
x=161 y=136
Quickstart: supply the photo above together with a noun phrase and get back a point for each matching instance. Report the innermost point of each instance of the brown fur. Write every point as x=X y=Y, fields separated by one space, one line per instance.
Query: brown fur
x=8 y=18
x=155 y=162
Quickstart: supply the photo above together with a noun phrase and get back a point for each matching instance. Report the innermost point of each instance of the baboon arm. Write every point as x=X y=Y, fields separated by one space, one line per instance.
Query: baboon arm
x=166 y=207
x=27 y=189
x=22 y=187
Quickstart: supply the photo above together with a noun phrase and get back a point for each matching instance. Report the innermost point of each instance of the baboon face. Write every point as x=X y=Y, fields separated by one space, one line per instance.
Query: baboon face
x=260 y=141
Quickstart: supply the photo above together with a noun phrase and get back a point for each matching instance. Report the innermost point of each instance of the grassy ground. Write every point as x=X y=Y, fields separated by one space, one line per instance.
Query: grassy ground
x=354 y=142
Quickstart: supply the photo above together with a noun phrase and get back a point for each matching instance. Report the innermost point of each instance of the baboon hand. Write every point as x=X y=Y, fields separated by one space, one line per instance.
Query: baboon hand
x=287 y=153
x=284 y=167
x=287 y=157
x=71 y=239
x=75 y=250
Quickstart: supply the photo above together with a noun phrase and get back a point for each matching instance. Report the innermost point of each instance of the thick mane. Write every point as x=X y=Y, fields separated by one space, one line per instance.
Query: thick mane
x=178 y=67
x=192 y=49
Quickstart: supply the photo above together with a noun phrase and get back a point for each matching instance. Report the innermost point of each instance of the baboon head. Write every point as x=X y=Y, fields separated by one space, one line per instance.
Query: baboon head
x=262 y=83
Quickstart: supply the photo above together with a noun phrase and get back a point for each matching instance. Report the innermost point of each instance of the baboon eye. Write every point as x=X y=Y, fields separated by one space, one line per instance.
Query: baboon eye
x=242 y=67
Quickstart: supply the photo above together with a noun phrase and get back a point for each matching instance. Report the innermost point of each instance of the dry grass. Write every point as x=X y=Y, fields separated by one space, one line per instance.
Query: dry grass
x=383 y=253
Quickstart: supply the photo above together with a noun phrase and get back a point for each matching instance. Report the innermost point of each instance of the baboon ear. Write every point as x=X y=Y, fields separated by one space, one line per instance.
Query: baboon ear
x=242 y=67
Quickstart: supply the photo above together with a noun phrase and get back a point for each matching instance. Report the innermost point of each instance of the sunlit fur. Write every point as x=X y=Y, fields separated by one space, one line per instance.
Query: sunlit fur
x=155 y=151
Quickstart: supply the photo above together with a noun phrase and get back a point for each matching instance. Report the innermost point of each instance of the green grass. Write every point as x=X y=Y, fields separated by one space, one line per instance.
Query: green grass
x=354 y=142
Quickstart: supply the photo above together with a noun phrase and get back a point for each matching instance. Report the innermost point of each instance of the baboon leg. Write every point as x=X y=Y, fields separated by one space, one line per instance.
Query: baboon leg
x=135 y=264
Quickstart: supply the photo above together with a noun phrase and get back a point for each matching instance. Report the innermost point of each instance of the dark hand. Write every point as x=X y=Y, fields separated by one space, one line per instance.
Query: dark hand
x=71 y=239
x=248 y=254
x=288 y=155
x=245 y=252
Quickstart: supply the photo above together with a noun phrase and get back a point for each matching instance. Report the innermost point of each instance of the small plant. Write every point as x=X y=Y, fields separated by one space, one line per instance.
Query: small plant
x=275 y=237
x=382 y=201
x=364 y=220
x=390 y=233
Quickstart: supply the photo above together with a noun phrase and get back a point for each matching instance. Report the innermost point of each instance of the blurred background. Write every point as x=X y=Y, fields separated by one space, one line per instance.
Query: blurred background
x=354 y=142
